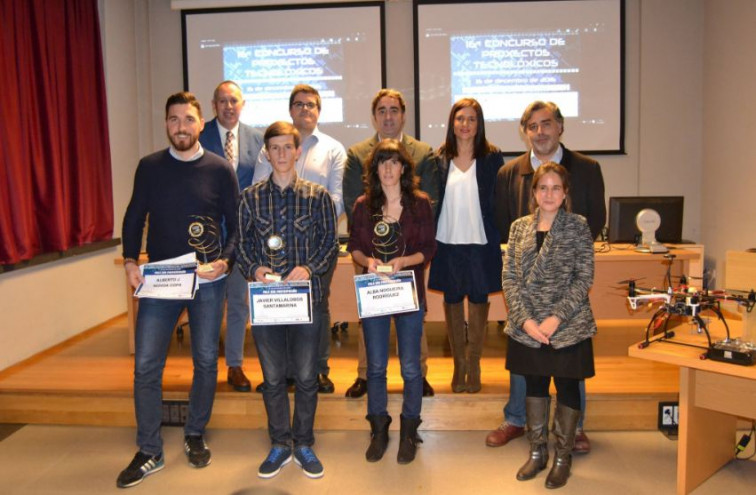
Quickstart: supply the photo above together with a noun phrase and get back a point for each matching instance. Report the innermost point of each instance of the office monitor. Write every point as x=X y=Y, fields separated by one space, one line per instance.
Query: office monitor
x=623 y=210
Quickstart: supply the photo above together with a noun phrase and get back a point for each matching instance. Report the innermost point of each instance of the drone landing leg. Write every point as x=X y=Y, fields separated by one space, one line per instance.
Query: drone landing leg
x=702 y=325
x=667 y=333
x=651 y=324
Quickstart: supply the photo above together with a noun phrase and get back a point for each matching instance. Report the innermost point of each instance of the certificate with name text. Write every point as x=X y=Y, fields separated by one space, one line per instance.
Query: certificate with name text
x=174 y=278
x=280 y=303
x=379 y=295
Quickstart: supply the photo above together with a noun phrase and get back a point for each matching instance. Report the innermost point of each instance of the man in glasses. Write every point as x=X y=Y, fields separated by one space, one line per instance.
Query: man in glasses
x=322 y=162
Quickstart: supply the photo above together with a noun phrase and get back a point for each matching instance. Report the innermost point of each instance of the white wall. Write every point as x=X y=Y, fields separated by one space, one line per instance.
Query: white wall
x=44 y=305
x=728 y=192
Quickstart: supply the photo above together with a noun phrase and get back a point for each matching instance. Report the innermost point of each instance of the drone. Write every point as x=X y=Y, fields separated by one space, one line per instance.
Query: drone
x=685 y=300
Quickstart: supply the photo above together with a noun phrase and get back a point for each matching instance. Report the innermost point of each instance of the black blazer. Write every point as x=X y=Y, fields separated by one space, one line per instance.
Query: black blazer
x=486 y=170
x=421 y=153
x=515 y=179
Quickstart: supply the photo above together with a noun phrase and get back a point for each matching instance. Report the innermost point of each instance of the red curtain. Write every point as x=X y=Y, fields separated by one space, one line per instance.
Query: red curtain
x=55 y=183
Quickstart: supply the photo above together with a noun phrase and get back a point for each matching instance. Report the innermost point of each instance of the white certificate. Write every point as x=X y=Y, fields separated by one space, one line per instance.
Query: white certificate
x=280 y=303
x=386 y=295
x=174 y=278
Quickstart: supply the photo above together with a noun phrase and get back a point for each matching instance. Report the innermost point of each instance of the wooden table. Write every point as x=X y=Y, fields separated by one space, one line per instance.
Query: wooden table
x=712 y=396
x=608 y=298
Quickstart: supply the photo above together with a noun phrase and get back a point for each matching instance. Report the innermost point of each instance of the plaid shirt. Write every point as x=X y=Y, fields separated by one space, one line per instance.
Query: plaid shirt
x=302 y=214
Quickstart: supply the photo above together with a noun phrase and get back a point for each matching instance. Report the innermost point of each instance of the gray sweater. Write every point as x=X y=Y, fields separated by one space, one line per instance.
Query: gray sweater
x=552 y=281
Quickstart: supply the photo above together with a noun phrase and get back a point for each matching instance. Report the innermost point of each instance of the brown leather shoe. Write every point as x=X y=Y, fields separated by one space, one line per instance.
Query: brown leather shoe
x=503 y=434
x=582 y=444
x=237 y=380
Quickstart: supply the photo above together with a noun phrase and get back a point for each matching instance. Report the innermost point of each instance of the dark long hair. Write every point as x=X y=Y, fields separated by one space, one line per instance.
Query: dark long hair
x=481 y=145
x=408 y=182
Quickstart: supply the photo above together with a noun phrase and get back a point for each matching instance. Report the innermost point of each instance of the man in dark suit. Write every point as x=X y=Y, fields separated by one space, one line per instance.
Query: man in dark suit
x=542 y=124
x=388 y=110
x=239 y=144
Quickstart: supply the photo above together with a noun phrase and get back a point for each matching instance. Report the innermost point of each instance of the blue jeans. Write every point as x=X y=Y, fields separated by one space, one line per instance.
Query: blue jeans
x=514 y=410
x=324 y=313
x=154 y=327
x=324 y=351
x=272 y=342
x=377 y=330
x=237 y=316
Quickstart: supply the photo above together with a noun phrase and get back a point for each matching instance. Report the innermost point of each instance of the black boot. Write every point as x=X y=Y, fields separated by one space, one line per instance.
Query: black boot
x=408 y=440
x=379 y=437
x=455 y=328
x=537 y=412
x=565 y=423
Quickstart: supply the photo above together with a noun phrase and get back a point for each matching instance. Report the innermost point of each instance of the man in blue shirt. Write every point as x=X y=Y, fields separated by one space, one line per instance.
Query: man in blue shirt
x=322 y=162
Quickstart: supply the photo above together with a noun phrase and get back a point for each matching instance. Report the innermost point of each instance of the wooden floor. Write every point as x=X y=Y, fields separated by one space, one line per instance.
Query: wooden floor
x=88 y=380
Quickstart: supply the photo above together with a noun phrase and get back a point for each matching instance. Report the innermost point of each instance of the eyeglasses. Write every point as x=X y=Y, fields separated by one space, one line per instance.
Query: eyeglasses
x=299 y=105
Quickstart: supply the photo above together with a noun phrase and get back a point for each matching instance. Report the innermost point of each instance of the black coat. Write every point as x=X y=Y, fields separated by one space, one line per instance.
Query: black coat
x=515 y=179
x=491 y=260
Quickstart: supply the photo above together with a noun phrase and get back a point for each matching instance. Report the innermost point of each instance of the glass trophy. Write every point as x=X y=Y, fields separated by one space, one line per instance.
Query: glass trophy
x=388 y=242
x=205 y=239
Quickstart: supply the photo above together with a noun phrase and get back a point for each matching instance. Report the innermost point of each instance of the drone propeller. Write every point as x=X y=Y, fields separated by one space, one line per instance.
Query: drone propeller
x=629 y=280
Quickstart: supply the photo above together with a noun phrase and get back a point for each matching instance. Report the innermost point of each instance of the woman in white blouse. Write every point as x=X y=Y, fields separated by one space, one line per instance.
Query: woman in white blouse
x=468 y=256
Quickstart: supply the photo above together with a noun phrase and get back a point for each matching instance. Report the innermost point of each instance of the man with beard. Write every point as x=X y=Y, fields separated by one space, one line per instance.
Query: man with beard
x=185 y=192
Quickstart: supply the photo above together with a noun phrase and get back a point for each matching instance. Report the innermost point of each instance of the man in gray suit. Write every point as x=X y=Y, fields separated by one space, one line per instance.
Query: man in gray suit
x=388 y=110
x=239 y=144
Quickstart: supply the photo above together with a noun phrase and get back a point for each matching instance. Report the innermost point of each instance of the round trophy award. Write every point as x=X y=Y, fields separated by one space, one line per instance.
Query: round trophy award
x=388 y=242
x=274 y=251
x=205 y=239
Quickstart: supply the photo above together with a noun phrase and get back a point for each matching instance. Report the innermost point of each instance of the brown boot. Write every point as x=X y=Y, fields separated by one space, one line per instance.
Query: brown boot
x=537 y=411
x=565 y=423
x=455 y=328
x=476 y=333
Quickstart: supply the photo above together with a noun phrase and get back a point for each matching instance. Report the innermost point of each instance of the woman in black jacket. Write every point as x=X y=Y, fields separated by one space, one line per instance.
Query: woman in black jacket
x=468 y=256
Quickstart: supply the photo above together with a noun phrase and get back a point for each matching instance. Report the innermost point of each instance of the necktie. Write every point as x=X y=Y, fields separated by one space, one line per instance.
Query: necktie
x=228 y=149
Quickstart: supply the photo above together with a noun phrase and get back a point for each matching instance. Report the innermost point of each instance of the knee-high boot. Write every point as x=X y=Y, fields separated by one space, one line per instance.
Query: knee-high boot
x=476 y=333
x=455 y=328
x=379 y=436
x=565 y=423
x=537 y=412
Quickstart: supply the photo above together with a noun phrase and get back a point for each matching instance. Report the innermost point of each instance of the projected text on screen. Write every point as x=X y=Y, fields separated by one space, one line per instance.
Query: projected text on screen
x=267 y=72
x=505 y=72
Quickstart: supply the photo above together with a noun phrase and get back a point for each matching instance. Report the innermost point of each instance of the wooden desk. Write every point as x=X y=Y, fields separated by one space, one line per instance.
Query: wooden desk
x=608 y=298
x=712 y=396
